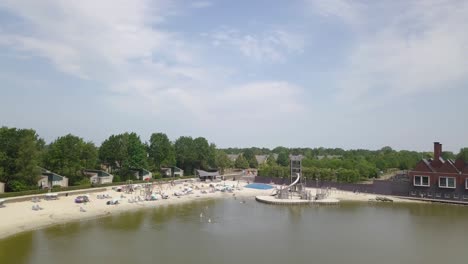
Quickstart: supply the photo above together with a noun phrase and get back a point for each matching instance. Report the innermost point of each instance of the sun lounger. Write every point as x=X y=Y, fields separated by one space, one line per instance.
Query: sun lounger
x=37 y=207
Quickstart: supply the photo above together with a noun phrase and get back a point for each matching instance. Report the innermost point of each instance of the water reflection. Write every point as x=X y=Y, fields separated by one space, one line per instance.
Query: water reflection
x=20 y=250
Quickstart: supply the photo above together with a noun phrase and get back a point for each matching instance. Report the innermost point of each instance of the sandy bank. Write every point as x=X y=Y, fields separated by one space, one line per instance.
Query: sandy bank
x=19 y=217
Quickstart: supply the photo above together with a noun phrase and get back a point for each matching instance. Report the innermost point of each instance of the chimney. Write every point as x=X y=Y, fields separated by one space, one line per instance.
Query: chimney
x=437 y=150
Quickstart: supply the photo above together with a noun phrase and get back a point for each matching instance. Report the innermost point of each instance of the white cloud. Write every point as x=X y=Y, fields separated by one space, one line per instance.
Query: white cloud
x=148 y=69
x=272 y=46
x=201 y=4
x=422 y=49
x=349 y=12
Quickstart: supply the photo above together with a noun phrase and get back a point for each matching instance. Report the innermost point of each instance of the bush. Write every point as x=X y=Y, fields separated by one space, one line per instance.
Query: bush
x=157 y=175
x=84 y=181
x=17 y=186
x=117 y=178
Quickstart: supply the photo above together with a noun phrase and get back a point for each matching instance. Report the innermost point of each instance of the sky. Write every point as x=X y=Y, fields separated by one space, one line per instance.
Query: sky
x=299 y=73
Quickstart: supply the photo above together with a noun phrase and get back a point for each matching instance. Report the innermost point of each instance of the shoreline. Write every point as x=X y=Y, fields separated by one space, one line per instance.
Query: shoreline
x=18 y=217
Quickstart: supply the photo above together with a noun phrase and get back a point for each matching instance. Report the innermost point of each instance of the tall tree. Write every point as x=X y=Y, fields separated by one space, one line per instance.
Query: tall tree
x=185 y=154
x=212 y=156
x=124 y=152
x=253 y=163
x=136 y=152
x=223 y=160
x=249 y=154
x=463 y=154
x=27 y=162
x=68 y=155
x=271 y=161
x=202 y=149
x=113 y=151
x=241 y=162
x=283 y=159
x=20 y=155
x=161 y=151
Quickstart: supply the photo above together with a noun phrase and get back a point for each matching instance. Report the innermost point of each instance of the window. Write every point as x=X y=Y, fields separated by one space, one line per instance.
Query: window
x=421 y=181
x=447 y=182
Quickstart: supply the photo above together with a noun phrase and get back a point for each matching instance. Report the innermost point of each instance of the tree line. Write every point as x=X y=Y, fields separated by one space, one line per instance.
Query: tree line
x=336 y=164
x=23 y=153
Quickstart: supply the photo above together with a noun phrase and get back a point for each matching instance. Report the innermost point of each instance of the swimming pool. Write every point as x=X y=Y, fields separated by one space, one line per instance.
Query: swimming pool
x=259 y=186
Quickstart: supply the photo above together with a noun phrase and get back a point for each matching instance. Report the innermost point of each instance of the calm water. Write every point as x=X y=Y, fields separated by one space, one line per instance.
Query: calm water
x=253 y=233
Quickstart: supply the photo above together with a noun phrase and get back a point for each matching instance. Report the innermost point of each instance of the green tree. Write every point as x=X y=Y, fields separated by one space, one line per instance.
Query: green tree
x=283 y=159
x=249 y=154
x=241 y=162
x=202 y=150
x=161 y=151
x=124 y=152
x=20 y=155
x=113 y=151
x=223 y=160
x=271 y=161
x=69 y=155
x=280 y=149
x=463 y=154
x=136 y=152
x=253 y=163
x=212 y=156
x=27 y=161
x=185 y=153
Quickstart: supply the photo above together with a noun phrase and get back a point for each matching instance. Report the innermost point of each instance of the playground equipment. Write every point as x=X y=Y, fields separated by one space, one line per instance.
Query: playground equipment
x=147 y=191
x=297 y=188
x=129 y=187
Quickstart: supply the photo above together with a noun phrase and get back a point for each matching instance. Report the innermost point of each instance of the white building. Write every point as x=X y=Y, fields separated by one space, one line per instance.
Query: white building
x=49 y=179
x=98 y=176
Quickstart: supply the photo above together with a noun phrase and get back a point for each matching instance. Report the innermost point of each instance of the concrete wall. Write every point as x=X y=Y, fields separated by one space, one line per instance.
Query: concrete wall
x=2 y=187
x=148 y=176
x=106 y=179
x=44 y=182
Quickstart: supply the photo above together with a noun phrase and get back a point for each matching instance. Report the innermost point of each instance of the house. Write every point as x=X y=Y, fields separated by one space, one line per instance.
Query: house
x=320 y=157
x=439 y=178
x=2 y=187
x=142 y=174
x=98 y=176
x=233 y=157
x=173 y=171
x=261 y=159
x=50 y=179
x=205 y=175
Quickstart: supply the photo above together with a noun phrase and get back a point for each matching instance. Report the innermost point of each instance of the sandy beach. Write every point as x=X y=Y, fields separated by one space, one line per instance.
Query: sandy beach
x=19 y=217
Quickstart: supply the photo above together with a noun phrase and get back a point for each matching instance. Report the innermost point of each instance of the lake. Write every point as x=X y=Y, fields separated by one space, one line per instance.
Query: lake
x=251 y=232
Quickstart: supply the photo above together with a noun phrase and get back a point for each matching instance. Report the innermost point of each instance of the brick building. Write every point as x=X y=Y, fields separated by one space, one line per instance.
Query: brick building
x=439 y=178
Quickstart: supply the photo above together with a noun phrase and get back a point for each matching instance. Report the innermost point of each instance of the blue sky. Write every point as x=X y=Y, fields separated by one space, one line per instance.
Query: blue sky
x=305 y=73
